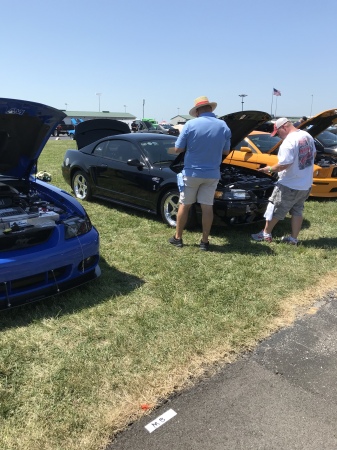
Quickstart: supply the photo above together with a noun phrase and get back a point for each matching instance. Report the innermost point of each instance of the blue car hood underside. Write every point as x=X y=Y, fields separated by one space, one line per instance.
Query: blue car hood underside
x=25 y=128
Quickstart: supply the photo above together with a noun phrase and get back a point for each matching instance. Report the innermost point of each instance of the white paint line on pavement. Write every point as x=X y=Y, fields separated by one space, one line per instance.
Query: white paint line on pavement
x=159 y=421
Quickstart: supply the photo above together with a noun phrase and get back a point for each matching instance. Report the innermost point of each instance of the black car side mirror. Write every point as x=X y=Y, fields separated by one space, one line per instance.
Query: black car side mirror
x=135 y=163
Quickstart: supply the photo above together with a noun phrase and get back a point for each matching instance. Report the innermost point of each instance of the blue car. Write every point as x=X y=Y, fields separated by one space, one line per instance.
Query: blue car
x=47 y=242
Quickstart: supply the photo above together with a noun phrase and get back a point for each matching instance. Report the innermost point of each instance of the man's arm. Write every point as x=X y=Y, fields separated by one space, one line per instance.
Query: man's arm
x=275 y=168
x=175 y=150
x=227 y=147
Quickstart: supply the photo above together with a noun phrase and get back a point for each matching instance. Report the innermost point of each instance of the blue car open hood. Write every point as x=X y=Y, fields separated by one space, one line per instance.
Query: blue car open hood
x=25 y=128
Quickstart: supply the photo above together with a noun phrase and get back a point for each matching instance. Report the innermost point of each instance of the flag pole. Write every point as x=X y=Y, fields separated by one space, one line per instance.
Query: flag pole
x=275 y=106
x=271 y=108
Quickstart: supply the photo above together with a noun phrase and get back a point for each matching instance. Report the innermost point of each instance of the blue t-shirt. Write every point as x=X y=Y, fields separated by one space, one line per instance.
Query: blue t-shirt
x=205 y=139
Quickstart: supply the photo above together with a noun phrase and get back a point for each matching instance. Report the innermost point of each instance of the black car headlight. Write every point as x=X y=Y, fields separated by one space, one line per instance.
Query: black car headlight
x=334 y=173
x=233 y=194
x=76 y=226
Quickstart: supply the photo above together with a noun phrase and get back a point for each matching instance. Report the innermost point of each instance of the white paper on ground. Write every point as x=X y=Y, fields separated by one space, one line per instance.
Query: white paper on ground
x=159 y=421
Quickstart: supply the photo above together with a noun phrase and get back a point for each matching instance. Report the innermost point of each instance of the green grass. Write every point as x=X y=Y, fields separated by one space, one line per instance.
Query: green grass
x=76 y=368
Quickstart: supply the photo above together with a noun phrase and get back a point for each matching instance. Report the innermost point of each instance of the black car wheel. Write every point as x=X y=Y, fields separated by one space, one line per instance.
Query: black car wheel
x=169 y=209
x=81 y=186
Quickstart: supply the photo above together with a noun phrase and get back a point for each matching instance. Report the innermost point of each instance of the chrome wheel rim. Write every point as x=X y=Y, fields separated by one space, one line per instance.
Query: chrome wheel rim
x=80 y=187
x=170 y=209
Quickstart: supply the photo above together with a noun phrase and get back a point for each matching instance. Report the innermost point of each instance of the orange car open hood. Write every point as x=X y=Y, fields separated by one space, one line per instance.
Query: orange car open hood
x=315 y=125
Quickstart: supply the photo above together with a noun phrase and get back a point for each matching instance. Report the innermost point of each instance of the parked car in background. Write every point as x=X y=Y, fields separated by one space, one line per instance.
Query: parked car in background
x=63 y=128
x=178 y=127
x=327 y=144
x=145 y=126
x=170 y=129
x=47 y=242
x=137 y=170
x=71 y=133
x=332 y=129
x=259 y=149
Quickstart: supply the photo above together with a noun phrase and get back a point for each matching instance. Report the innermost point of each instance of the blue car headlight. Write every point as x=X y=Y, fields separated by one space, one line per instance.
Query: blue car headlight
x=76 y=226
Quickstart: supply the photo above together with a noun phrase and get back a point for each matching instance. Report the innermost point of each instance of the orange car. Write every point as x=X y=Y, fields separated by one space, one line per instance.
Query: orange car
x=259 y=149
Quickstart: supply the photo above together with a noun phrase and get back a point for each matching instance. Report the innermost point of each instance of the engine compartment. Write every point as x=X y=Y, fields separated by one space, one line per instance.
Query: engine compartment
x=233 y=177
x=24 y=214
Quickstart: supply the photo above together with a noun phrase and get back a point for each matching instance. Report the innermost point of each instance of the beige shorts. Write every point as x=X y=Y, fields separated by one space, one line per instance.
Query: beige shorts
x=288 y=200
x=199 y=190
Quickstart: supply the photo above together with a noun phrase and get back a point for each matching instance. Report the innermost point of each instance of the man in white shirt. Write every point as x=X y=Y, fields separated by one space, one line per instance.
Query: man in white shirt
x=295 y=173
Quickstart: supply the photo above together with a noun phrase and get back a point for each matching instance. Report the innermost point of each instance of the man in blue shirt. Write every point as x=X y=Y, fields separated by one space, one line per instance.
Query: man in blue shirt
x=206 y=139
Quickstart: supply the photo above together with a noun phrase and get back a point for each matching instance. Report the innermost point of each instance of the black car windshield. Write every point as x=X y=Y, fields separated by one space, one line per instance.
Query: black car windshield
x=264 y=142
x=327 y=138
x=156 y=151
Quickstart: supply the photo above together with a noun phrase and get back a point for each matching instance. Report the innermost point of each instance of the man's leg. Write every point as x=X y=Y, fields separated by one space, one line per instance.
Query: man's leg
x=182 y=217
x=207 y=220
x=296 y=225
x=270 y=225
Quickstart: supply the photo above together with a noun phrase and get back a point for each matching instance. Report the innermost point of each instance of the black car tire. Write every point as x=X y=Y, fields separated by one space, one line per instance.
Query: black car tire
x=169 y=209
x=81 y=186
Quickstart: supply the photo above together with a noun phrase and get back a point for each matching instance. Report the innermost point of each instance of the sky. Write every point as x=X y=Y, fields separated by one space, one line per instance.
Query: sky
x=153 y=58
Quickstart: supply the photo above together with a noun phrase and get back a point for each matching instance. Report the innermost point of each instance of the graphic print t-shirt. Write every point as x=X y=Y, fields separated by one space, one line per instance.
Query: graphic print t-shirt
x=305 y=153
x=297 y=149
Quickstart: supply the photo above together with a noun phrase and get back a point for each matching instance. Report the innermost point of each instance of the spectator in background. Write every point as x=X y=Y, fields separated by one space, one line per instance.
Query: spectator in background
x=302 y=119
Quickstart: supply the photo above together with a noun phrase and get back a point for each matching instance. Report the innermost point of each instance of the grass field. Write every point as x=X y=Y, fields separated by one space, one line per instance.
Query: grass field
x=76 y=368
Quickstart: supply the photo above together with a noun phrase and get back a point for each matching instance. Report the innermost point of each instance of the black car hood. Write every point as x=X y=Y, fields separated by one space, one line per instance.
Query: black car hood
x=25 y=128
x=240 y=123
x=244 y=122
x=90 y=131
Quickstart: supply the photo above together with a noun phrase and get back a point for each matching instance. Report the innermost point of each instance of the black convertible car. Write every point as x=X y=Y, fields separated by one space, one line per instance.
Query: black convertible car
x=136 y=170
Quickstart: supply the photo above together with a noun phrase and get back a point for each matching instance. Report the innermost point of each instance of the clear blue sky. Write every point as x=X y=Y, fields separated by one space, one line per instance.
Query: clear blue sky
x=170 y=52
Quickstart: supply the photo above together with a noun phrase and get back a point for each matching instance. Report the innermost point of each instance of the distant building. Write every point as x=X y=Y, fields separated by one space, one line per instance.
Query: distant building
x=181 y=119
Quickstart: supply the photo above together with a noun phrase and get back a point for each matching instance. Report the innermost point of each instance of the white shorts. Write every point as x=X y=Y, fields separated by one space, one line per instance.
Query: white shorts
x=199 y=190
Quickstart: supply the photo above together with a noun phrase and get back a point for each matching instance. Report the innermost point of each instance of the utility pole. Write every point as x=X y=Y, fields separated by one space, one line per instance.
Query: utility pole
x=242 y=97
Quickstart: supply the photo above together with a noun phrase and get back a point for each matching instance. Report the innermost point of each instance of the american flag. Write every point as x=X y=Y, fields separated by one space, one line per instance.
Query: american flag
x=276 y=92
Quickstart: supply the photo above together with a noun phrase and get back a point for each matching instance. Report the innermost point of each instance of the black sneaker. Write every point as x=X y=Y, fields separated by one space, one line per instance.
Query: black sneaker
x=176 y=242
x=204 y=246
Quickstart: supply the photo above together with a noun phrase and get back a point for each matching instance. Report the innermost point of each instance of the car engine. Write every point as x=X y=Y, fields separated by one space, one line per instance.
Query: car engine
x=26 y=219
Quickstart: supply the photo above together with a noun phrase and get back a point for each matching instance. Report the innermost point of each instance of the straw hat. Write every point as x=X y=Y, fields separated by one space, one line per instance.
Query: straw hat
x=201 y=101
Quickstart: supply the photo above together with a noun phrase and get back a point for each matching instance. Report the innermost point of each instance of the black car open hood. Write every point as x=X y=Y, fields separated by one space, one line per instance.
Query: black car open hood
x=244 y=122
x=240 y=123
x=90 y=131
x=25 y=127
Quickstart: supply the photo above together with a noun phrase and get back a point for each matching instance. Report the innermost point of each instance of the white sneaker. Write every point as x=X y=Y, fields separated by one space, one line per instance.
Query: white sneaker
x=262 y=237
x=289 y=240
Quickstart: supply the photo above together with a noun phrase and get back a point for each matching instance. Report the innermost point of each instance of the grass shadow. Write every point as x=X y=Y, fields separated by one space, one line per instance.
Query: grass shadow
x=111 y=284
x=239 y=237
x=320 y=242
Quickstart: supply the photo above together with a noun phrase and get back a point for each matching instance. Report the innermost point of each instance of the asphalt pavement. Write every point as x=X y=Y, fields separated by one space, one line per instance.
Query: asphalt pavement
x=282 y=395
